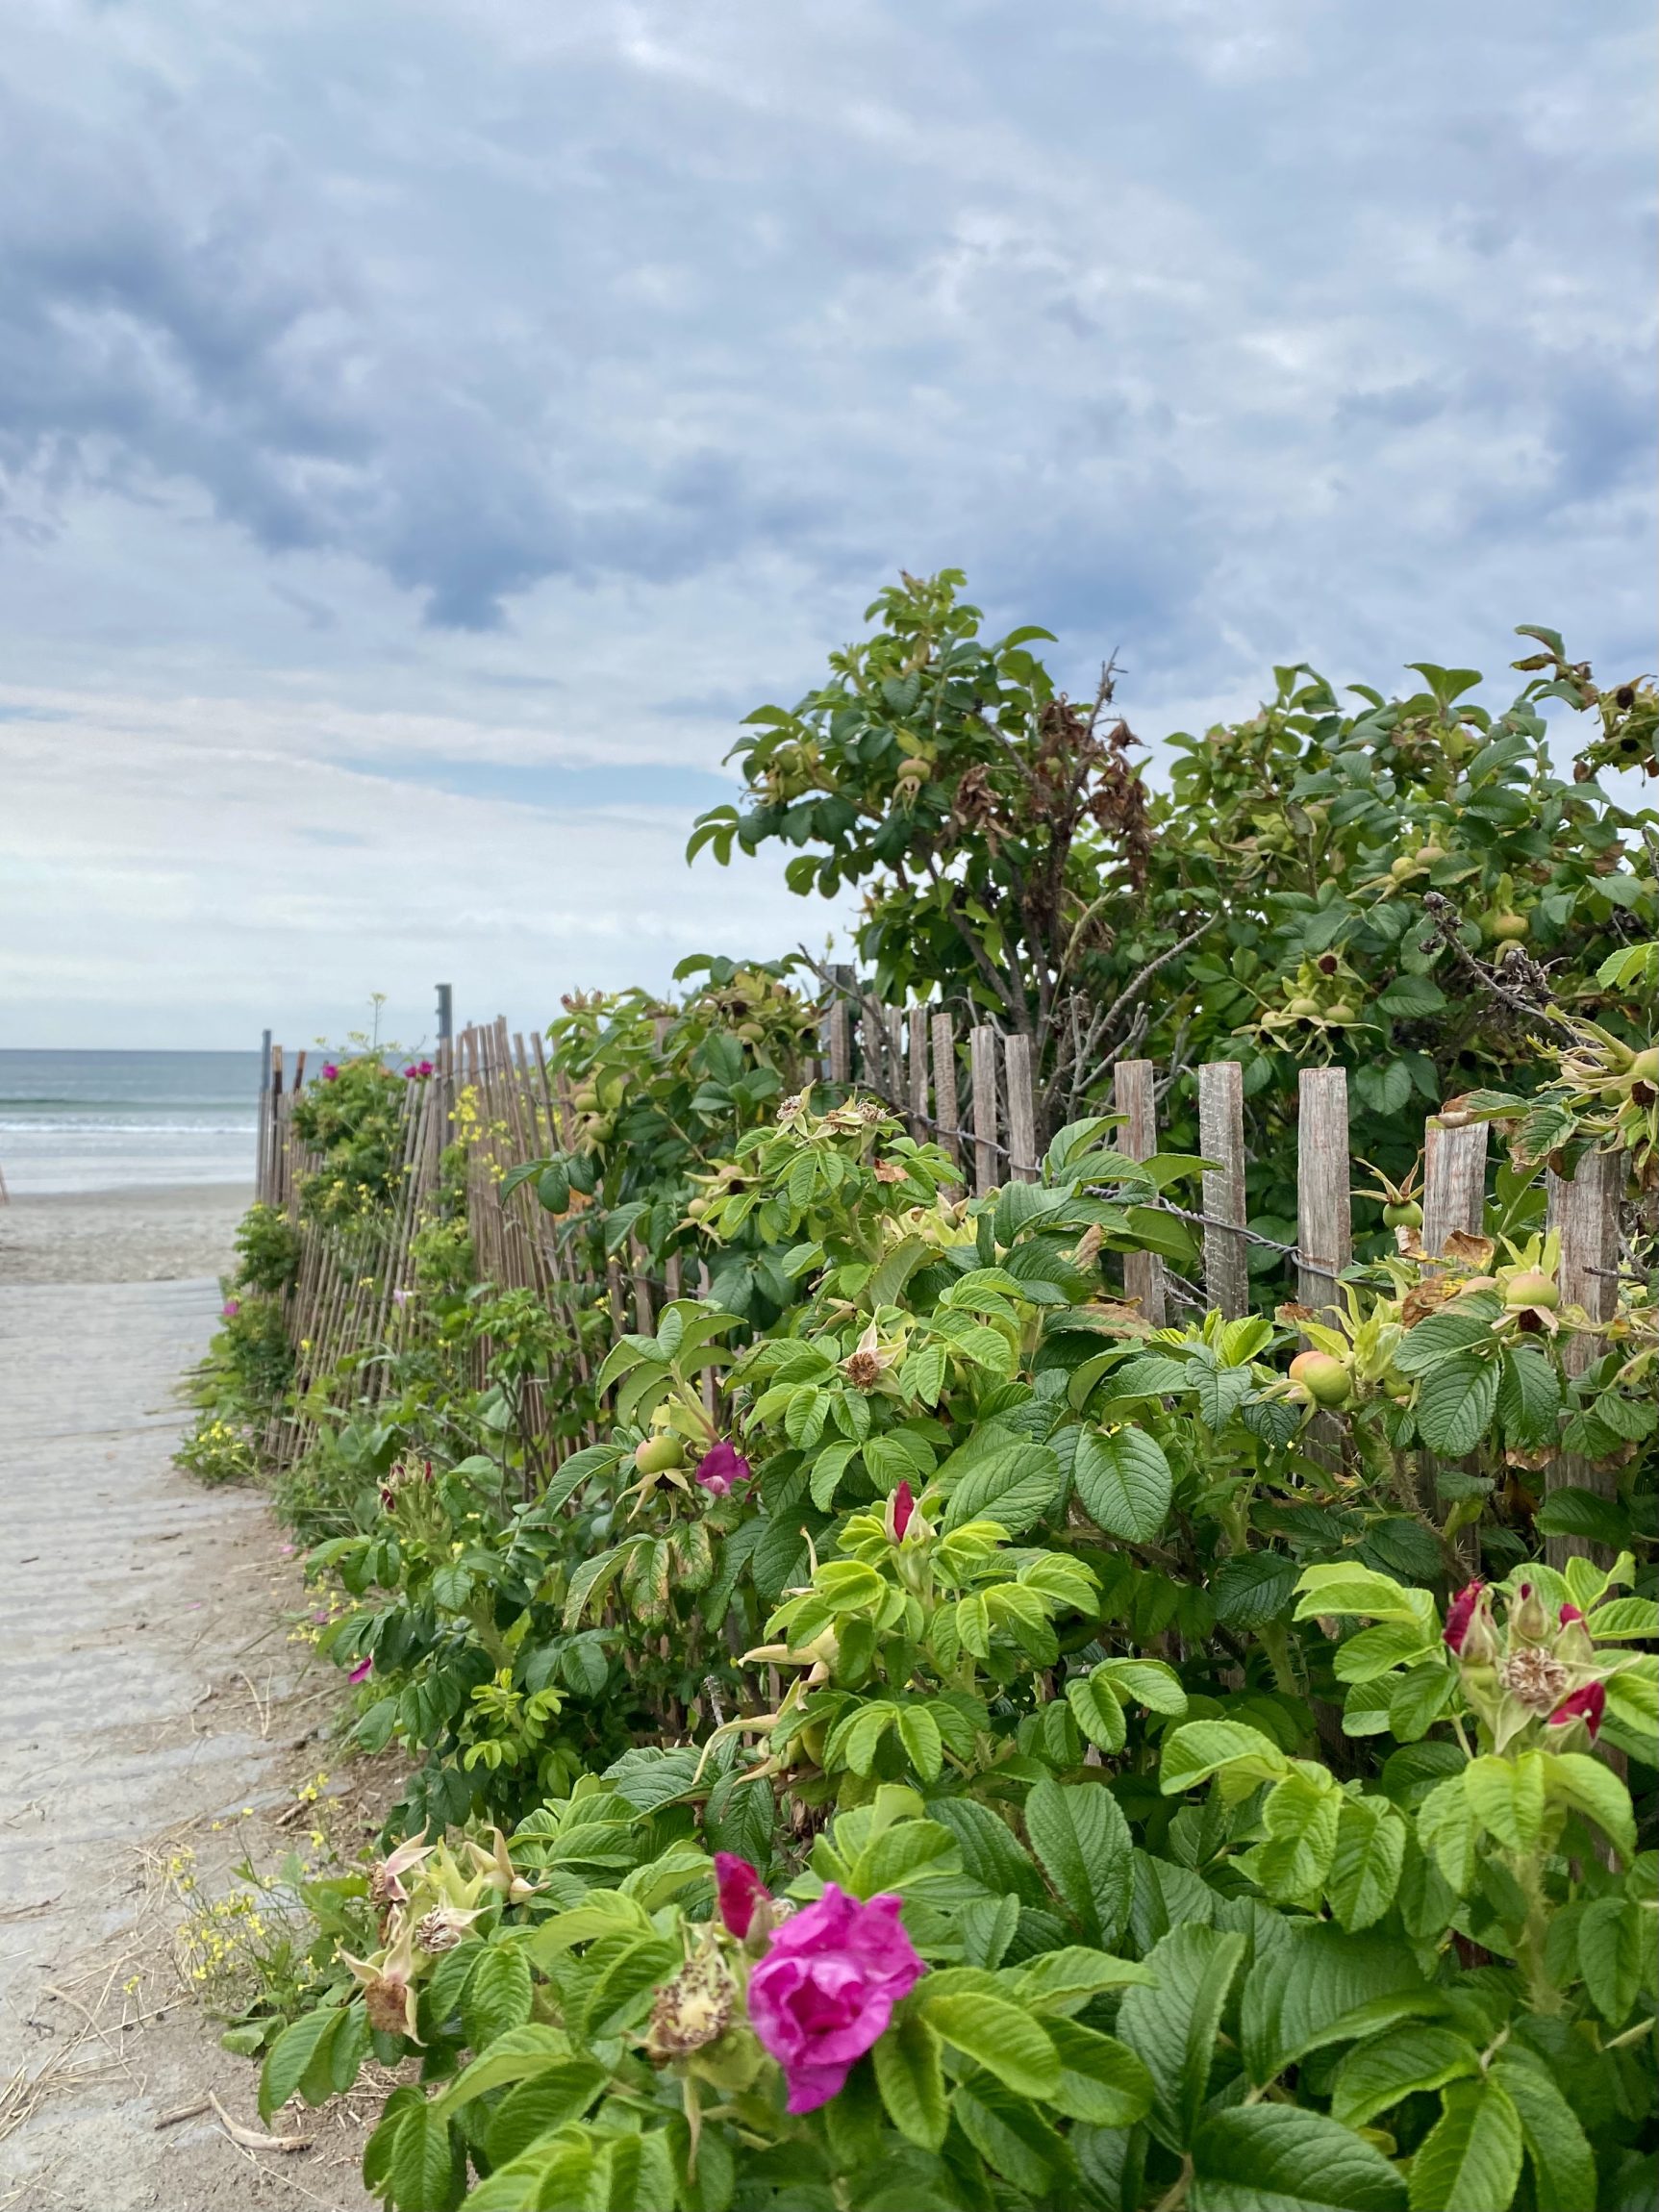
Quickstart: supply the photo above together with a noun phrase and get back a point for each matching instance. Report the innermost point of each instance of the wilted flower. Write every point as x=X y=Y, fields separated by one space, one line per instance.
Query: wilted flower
x=693 y=2010
x=385 y=1880
x=1460 y=1613
x=720 y=1467
x=824 y=1991
x=443 y=1927
x=740 y=1890
x=1587 y=1705
x=388 y=1984
x=497 y=1869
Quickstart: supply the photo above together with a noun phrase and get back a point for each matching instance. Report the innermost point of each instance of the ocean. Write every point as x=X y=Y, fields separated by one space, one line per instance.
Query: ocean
x=120 y=1121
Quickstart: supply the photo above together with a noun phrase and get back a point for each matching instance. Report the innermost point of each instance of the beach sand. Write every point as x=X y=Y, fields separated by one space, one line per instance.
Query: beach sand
x=149 y=1689
x=173 y=1233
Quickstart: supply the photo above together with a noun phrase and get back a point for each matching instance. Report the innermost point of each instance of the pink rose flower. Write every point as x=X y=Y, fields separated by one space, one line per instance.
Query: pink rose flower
x=826 y=1991
x=331 y=1074
x=231 y=1308
x=740 y=1890
x=1587 y=1706
x=1460 y=1613
x=903 y=1506
x=362 y=1672
x=1568 y=1613
x=722 y=1467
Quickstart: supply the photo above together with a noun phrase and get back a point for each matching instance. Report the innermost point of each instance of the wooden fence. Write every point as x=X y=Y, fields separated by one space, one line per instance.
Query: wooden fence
x=501 y=1094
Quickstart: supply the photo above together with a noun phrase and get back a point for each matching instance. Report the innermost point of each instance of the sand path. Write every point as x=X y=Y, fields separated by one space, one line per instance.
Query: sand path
x=147 y=1690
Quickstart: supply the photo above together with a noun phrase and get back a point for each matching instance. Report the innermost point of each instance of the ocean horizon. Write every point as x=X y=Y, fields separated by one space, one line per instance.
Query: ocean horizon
x=77 y=1121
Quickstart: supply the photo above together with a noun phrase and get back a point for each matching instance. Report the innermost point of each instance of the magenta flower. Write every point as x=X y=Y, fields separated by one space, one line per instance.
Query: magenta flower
x=1570 y=1614
x=1460 y=1613
x=331 y=1074
x=722 y=1467
x=362 y=1672
x=1587 y=1705
x=425 y=1068
x=903 y=1506
x=826 y=1991
x=740 y=1890
x=231 y=1308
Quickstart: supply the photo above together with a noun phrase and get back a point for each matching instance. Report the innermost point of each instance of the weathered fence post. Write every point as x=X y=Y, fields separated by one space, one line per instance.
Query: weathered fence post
x=946 y=1111
x=1585 y=1212
x=1024 y=1164
x=840 y=1022
x=1133 y=1095
x=261 y=1162
x=1324 y=1215
x=1453 y=1182
x=869 y=1046
x=918 y=1074
x=1221 y=1138
x=982 y=1068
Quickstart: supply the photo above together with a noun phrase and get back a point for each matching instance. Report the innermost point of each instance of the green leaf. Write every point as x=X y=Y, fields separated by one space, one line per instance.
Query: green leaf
x=1364 y=1873
x=1447 y=1825
x=1096 y=1711
x=428 y=2163
x=1124 y=1482
x=1010 y=2135
x=1339 y=1588
x=1012 y=1484
x=1437 y=1336
x=540 y=2105
x=1146 y=1682
x=1253 y=1589
x=1171 y=2028
x=1385 y=1087
x=910 y=2075
x=1506 y=1796
x=1192 y=1753
x=1529 y=1400
x=1083 y=1842
x=1575 y=1510
x=1101 y=2080
x=919 y=1733
x=1469 y=2161
x=1006 y=2041
x=1612 y=1953
x=1584 y=1784
x=1417 y=2055
x=1563 y=2166
x=1281 y=2158
x=498 y=1994
x=1319 y=1986
x=1455 y=1403
x=513 y=2056
x=290 y=2057
x=1063 y=1981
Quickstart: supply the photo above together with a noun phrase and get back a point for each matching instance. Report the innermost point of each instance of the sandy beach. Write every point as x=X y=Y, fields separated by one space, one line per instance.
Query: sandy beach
x=156 y=1721
x=171 y=1233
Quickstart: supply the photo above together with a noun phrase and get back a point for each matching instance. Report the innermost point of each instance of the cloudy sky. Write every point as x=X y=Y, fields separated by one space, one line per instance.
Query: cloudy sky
x=425 y=429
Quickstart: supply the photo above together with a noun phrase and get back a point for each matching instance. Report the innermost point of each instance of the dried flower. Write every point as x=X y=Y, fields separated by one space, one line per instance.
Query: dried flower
x=740 y=1890
x=824 y=1991
x=385 y=1880
x=722 y=1467
x=1534 y=1677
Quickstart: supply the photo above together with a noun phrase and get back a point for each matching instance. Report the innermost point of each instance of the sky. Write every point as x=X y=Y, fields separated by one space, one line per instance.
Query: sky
x=427 y=429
